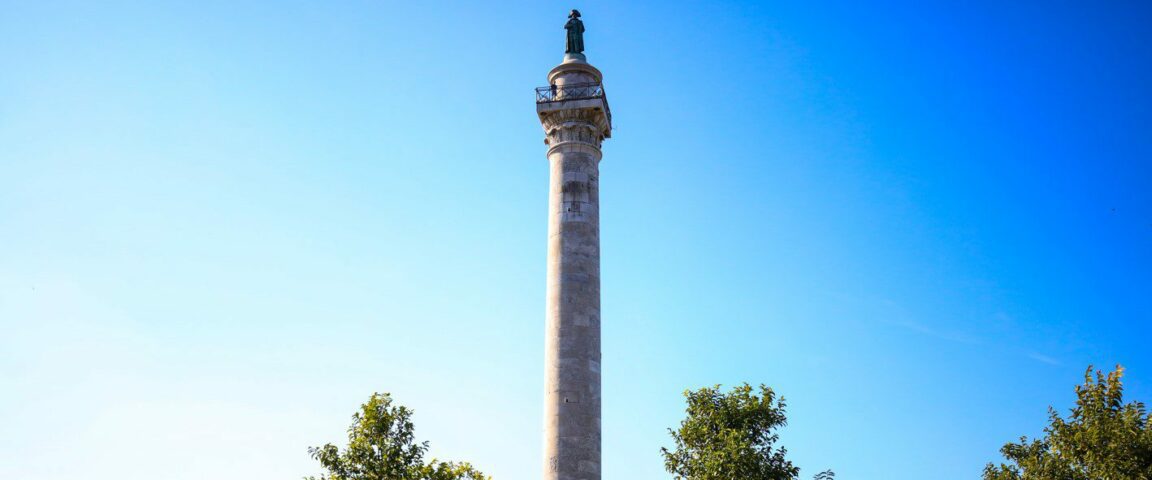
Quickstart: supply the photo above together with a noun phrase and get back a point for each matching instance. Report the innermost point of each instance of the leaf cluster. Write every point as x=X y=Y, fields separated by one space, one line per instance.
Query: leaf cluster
x=730 y=435
x=1102 y=439
x=382 y=446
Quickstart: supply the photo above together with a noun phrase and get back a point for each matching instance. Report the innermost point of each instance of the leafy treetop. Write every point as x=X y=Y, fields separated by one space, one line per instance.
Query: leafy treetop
x=381 y=446
x=1103 y=439
x=731 y=435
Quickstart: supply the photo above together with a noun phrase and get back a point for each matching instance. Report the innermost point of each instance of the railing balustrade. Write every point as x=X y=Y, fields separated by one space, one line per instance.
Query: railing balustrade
x=575 y=91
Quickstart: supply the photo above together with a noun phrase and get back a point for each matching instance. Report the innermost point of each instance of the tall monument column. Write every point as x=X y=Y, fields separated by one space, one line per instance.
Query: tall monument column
x=574 y=113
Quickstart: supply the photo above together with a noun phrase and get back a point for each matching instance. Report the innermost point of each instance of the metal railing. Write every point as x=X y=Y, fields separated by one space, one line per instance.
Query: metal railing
x=575 y=91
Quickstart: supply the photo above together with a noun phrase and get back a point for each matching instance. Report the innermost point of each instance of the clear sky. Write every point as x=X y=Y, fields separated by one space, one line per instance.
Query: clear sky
x=224 y=224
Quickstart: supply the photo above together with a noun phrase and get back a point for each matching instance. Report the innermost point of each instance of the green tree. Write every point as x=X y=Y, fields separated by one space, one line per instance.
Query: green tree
x=1103 y=439
x=731 y=436
x=825 y=475
x=381 y=446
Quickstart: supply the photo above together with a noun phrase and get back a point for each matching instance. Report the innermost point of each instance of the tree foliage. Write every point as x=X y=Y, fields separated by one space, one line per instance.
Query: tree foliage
x=731 y=436
x=1103 y=439
x=382 y=446
x=825 y=475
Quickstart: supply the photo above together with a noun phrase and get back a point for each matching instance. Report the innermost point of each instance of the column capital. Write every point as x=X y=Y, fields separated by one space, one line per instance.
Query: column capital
x=585 y=124
x=573 y=108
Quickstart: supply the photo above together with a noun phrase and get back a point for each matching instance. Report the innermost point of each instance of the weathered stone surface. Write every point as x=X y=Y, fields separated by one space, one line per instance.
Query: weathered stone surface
x=574 y=131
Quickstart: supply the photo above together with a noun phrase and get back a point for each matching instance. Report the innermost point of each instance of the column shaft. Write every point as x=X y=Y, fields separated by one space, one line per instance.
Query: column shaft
x=572 y=347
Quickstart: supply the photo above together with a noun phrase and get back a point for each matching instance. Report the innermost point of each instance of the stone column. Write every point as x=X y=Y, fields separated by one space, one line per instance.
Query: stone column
x=576 y=120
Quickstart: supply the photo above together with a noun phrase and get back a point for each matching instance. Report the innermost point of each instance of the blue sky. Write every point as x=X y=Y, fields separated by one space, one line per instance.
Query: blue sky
x=223 y=225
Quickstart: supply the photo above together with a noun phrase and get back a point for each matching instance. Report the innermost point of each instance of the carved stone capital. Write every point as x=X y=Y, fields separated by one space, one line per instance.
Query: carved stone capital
x=567 y=127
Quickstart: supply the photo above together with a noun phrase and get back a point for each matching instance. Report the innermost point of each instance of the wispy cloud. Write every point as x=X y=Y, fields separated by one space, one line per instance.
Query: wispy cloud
x=952 y=336
x=1044 y=359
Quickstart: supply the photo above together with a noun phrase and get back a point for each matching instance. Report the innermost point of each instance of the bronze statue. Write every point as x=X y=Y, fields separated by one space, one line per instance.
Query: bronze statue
x=575 y=33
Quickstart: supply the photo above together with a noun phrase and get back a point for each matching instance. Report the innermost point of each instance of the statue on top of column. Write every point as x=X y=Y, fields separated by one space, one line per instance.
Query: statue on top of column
x=575 y=33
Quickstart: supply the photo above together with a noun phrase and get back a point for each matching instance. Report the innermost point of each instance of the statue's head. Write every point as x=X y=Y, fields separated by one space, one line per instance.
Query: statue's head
x=575 y=14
